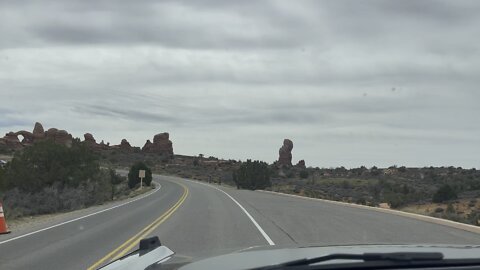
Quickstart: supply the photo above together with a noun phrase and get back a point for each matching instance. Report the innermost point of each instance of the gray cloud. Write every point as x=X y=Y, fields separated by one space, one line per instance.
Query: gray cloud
x=352 y=83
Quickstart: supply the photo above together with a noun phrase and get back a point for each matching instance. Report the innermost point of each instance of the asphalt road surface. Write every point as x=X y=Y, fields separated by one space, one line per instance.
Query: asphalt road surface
x=197 y=220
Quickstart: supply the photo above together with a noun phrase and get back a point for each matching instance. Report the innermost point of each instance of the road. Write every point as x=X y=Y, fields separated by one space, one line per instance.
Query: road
x=197 y=220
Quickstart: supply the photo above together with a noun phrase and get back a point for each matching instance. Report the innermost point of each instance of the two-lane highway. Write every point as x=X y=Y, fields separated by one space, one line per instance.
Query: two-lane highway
x=197 y=220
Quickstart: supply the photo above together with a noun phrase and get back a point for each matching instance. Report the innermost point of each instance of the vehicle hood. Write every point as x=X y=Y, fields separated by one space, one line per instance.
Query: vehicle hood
x=258 y=257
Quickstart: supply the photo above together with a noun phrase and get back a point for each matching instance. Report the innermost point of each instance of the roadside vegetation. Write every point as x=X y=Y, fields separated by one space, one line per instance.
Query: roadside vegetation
x=133 y=175
x=252 y=175
x=446 y=192
x=50 y=178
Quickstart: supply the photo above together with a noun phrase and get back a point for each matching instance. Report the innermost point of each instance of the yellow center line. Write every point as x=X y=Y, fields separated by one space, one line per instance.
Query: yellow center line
x=134 y=243
x=130 y=243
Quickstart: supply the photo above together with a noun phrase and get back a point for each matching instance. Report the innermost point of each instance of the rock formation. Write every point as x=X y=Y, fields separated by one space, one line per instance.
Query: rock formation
x=59 y=136
x=38 y=132
x=147 y=147
x=90 y=141
x=301 y=164
x=27 y=137
x=285 y=153
x=11 y=141
x=161 y=145
x=125 y=145
x=89 y=138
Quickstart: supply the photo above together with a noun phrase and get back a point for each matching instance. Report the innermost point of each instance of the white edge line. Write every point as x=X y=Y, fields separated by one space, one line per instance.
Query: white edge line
x=264 y=234
x=79 y=218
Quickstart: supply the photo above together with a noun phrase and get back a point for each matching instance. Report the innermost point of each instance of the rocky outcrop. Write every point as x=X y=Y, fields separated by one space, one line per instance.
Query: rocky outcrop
x=27 y=137
x=148 y=146
x=59 y=136
x=103 y=145
x=90 y=141
x=11 y=141
x=125 y=145
x=301 y=164
x=161 y=142
x=161 y=145
x=38 y=132
x=285 y=153
x=89 y=138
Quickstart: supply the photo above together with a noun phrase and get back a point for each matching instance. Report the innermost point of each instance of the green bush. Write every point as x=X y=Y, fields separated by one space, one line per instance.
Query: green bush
x=252 y=175
x=48 y=178
x=394 y=199
x=444 y=193
x=45 y=163
x=57 y=197
x=134 y=180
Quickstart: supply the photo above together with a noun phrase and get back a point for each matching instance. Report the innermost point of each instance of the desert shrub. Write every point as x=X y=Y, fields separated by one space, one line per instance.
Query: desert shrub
x=444 y=193
x=450 y=208
x=472 y=203
x=394 y=199
x=47 y=178
x=55 y=198
x=304 y=174
x=134 y=180
x=45 y=163
x=361 y=201
x=252 y=175
x=346 y=185
x=439 y=210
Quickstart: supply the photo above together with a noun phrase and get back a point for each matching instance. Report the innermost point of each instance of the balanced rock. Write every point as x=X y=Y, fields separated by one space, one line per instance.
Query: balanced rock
x=285 y=153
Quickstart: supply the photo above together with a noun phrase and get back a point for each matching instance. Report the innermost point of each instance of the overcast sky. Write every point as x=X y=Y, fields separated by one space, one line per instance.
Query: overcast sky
x=350 y=82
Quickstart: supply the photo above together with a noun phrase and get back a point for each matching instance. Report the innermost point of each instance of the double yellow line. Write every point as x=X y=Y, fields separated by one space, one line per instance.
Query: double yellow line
x=132 y=242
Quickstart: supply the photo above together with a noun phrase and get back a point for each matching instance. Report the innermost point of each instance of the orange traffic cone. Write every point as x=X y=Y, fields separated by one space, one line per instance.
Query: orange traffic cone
x=3 y=223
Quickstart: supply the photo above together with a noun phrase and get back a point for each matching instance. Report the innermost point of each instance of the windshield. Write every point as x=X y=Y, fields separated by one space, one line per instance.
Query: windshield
x=220 y=126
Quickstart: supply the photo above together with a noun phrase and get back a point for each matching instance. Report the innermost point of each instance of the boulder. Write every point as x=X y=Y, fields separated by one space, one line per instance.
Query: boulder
x=285 y=153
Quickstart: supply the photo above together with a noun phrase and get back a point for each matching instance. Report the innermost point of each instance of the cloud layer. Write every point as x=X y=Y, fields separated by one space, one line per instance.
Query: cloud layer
x=370 y=83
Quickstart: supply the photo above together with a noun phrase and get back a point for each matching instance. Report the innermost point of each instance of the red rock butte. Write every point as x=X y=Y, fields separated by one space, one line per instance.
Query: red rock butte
x=161 y=142
x=161 y=145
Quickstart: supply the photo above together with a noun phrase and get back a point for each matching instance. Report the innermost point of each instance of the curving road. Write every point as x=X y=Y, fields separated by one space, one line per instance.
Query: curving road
x=198 y=220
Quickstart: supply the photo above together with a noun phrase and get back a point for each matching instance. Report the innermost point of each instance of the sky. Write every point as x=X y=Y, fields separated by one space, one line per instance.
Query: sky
x=351 y=83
